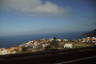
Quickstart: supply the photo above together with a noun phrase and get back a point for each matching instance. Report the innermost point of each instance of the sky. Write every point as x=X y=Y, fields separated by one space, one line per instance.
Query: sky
x=25 y=17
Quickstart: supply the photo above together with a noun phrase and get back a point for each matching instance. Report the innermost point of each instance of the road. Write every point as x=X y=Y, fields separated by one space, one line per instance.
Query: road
x=85 y=60
x=76 y=56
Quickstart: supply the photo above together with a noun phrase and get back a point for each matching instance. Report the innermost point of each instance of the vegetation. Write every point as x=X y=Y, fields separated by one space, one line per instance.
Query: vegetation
x=54 y=43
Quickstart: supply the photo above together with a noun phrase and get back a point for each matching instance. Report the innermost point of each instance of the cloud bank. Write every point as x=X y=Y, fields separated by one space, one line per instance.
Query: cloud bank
x=32 y=7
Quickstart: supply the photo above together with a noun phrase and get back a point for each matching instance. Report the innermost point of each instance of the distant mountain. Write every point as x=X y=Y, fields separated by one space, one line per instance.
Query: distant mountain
x=91 y=33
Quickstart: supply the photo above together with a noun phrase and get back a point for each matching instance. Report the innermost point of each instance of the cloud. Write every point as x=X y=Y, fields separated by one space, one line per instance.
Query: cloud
x=32 y=7
x=49 y=8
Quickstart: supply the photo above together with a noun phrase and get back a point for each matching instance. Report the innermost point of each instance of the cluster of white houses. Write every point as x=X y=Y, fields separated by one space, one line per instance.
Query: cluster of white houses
x=88 y=40
x=13 y=50
x=44 y=43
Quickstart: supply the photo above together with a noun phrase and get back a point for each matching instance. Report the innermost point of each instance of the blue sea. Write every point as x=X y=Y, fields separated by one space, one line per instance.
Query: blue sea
x=10 y=41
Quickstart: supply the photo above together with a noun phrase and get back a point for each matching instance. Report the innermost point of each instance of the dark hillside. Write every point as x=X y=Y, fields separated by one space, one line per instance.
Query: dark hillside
x=91 y=33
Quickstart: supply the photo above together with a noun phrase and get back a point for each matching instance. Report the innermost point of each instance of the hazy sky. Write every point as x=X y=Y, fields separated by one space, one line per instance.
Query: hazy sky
x=19 y=17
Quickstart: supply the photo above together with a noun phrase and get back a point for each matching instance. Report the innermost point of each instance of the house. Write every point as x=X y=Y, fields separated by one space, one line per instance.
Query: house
x=59 y=40
x=65 y=40
x=68 y=45
x=89 y=39
x=3 y=51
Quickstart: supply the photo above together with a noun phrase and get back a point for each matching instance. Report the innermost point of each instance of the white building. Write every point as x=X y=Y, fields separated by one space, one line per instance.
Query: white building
x=44 y=45
x=3 y=51
x=59 y=40
x=51 y=39
x=65 y=39
x=68 y=45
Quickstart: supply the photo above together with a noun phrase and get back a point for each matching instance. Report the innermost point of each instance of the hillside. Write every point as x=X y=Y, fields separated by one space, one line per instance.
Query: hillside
x=91 y=33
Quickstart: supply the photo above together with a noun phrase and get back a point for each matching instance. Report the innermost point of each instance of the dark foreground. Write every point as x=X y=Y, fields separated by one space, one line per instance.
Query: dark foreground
x=72 y=56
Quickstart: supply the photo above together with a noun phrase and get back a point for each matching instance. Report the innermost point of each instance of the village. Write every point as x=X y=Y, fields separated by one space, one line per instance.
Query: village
x=48 y=44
